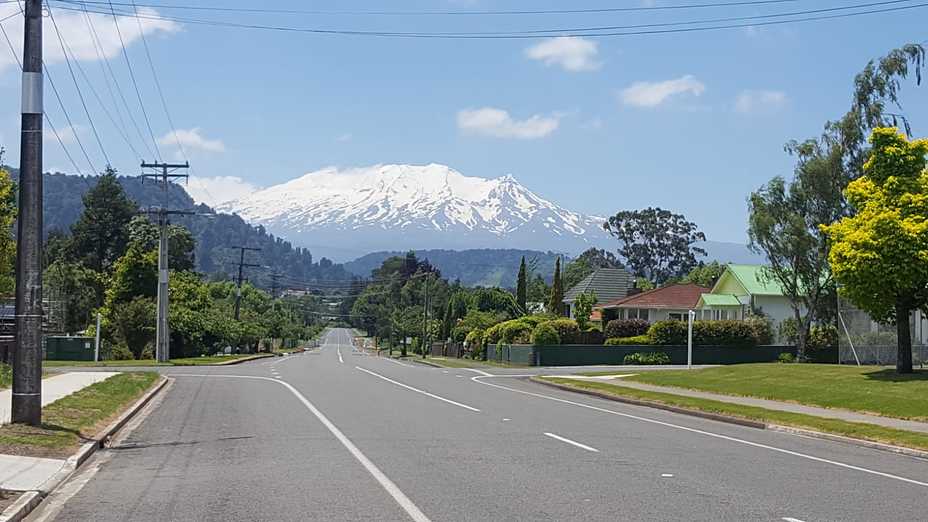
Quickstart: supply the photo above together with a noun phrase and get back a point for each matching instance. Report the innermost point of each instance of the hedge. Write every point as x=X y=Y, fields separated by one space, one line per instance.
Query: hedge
x=711 y=333
x=567 y=329
x=626 y=328
x=515 y=331
x=545 y=335
x=638 y=340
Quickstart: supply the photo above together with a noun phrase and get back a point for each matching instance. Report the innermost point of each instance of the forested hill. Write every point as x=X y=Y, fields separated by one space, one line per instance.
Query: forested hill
x=215 y=234
x=475 y=267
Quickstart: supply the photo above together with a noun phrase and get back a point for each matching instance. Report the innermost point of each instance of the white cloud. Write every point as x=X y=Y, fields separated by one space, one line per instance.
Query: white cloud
x=751 y=102
x=219 y=189
x=652 y=94
x=569 y=52
x=191 y=140
x=76 y=33
x=68 y=134
x=498 y=123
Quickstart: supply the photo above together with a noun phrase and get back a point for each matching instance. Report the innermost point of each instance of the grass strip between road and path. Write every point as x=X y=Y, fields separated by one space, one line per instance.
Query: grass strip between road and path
x=866 y=389
x=857 y=430
x=187 y=361
x=70 y=421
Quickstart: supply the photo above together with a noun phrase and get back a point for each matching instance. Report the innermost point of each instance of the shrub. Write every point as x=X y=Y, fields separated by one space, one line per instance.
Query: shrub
x=537 y=319
x=647 y=358
x=545 y=335
x=120 y=352
x=626 y=328
x=567 y=329
x=475 y=338
x=706 y=333
x=492 y=334
x=761 y=329
x=478 y=353
x=822 y=337
x=515 y=331
x=786 y=357
x=668 y=332
x=637 y=340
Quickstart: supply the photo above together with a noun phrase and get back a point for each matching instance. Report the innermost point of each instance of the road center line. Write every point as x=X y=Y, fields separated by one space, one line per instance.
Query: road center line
x=417 y=390
x=391 y=488
x=572 y=442
x=791 y=519
x=339 y=350
x=394 y=361
x=707 y=433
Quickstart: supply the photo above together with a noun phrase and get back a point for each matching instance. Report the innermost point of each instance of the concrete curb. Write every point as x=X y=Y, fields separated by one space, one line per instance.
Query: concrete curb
x=742 y=422
x=657 y=405
x=29 y=500
x=425 y=362
x=242 y=360
x=22 y=507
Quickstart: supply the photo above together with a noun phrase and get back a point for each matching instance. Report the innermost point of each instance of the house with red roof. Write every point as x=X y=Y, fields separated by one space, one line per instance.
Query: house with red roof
x=668 y=302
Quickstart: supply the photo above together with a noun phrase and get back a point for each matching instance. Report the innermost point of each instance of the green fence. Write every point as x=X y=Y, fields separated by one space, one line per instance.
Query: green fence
x=69 y=348
x=585 y=355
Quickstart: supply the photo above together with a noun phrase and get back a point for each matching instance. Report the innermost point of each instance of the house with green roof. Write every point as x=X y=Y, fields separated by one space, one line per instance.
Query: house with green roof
x=741 y=290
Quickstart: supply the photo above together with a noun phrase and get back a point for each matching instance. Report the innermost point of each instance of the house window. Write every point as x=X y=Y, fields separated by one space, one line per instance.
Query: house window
x=636 y=313
x=677 y=316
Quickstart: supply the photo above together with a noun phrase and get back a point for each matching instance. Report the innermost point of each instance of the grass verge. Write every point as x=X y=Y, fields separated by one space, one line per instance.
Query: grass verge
x=188 y=361
x=855 y=430
x=867 y=389
x=72 y=420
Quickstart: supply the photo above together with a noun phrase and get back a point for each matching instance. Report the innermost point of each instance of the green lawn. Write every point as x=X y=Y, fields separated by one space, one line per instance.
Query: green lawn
x=70 y=421
x=189 y=361
x=868 y=389
x=857 y=430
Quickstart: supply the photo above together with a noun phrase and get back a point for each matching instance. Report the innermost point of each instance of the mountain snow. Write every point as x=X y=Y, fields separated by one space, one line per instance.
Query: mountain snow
x=419 y=206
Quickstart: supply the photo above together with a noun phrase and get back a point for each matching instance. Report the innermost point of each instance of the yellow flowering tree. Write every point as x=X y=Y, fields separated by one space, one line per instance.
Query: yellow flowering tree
x=879 y=255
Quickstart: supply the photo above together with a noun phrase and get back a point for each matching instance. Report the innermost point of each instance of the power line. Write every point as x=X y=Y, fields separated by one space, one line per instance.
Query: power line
x=444 y=12
x=78 y=88
x=47 y=118
x=575 y=32
x=135 y=84
x=112 y=76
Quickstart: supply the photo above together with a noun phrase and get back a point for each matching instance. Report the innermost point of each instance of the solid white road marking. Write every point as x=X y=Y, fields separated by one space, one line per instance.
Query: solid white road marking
x=572 y=442
x=391 y=488
x=791 y=519
x=339 y=350
x=707 y=433
x=417 y=390
x=394 y=361
x=667 y=475
x=481 y=372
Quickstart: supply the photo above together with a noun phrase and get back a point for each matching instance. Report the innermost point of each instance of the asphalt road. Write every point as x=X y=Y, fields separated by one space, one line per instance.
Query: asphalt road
x=336 y=434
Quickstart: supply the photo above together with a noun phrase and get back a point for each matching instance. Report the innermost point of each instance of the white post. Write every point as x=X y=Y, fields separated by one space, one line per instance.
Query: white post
x=96 y=346
x=689 y=340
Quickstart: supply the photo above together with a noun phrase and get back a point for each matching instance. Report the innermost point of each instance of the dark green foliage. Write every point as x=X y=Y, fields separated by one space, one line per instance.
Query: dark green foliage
x=655 y=243
x=586 y=264
x=99 y=236
x=650 y=359
x=134 y=324
x=706 y=274
x=73 y=285
x=638 y=340
x=181 y=244
x=626 y=328
x=556 y=299
x=705 y=333
x=786 y=357
x=761 y=329
x=545 y=335
x=522 y=287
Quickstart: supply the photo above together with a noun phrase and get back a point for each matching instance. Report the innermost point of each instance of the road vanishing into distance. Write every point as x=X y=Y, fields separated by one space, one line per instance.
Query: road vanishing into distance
x=338 y=434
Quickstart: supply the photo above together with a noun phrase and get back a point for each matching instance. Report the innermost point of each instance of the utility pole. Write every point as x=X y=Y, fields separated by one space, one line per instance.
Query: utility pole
x=241 y=277
x=275 y=277
x=425 y=313
x=163 y=173
x=27 y=359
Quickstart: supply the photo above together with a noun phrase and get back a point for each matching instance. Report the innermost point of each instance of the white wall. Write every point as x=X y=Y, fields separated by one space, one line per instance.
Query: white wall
x=775 y=308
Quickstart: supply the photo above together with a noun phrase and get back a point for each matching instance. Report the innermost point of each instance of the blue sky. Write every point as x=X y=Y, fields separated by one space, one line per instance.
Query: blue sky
x=690 y=121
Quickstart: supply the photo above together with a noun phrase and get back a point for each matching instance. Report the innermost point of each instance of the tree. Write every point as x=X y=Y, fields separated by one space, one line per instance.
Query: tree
x=584 y=305
x=522 y=287
x=706 y=274
x=134 y=322
x=785 y=221
x=100 y=235
x=656 y=243
x=7 y=241
x=73 y=284
x=181 y=244
x=556 y=299
x=879 y=256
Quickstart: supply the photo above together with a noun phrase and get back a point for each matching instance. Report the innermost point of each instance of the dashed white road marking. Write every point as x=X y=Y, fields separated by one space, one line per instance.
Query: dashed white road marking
x=667 y=475
x=394 y=361
x=706 y=433
x=391 y=488
x=791 y=519
x=339 y=350
x=417 y=390
x=572 y=442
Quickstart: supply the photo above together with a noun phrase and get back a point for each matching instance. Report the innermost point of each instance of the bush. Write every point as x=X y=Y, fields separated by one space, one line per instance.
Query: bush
x=120 y=352
x=475 y=337
x=638 y=340
x=786 y=357
x=479 y=352
x=761 y=329
x=493 y=333
x=647 y=358
x=707 y=333
x=822 y=337
x=516 y=331
x=537 y=319
x=668 y=332
x=626 y=328
x=567 y=329
x=545 y=335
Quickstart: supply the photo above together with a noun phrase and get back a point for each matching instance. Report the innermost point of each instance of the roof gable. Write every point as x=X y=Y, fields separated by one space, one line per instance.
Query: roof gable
x=677 y=297
x=609 y=284
x=746 y=280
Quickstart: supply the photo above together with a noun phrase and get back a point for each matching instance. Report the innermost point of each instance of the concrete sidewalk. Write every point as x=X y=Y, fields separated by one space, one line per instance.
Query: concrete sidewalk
x=54 y=388
x=845 y=415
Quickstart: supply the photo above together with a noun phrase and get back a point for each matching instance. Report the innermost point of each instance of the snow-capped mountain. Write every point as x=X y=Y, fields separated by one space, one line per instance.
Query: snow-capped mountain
x=345 y=213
